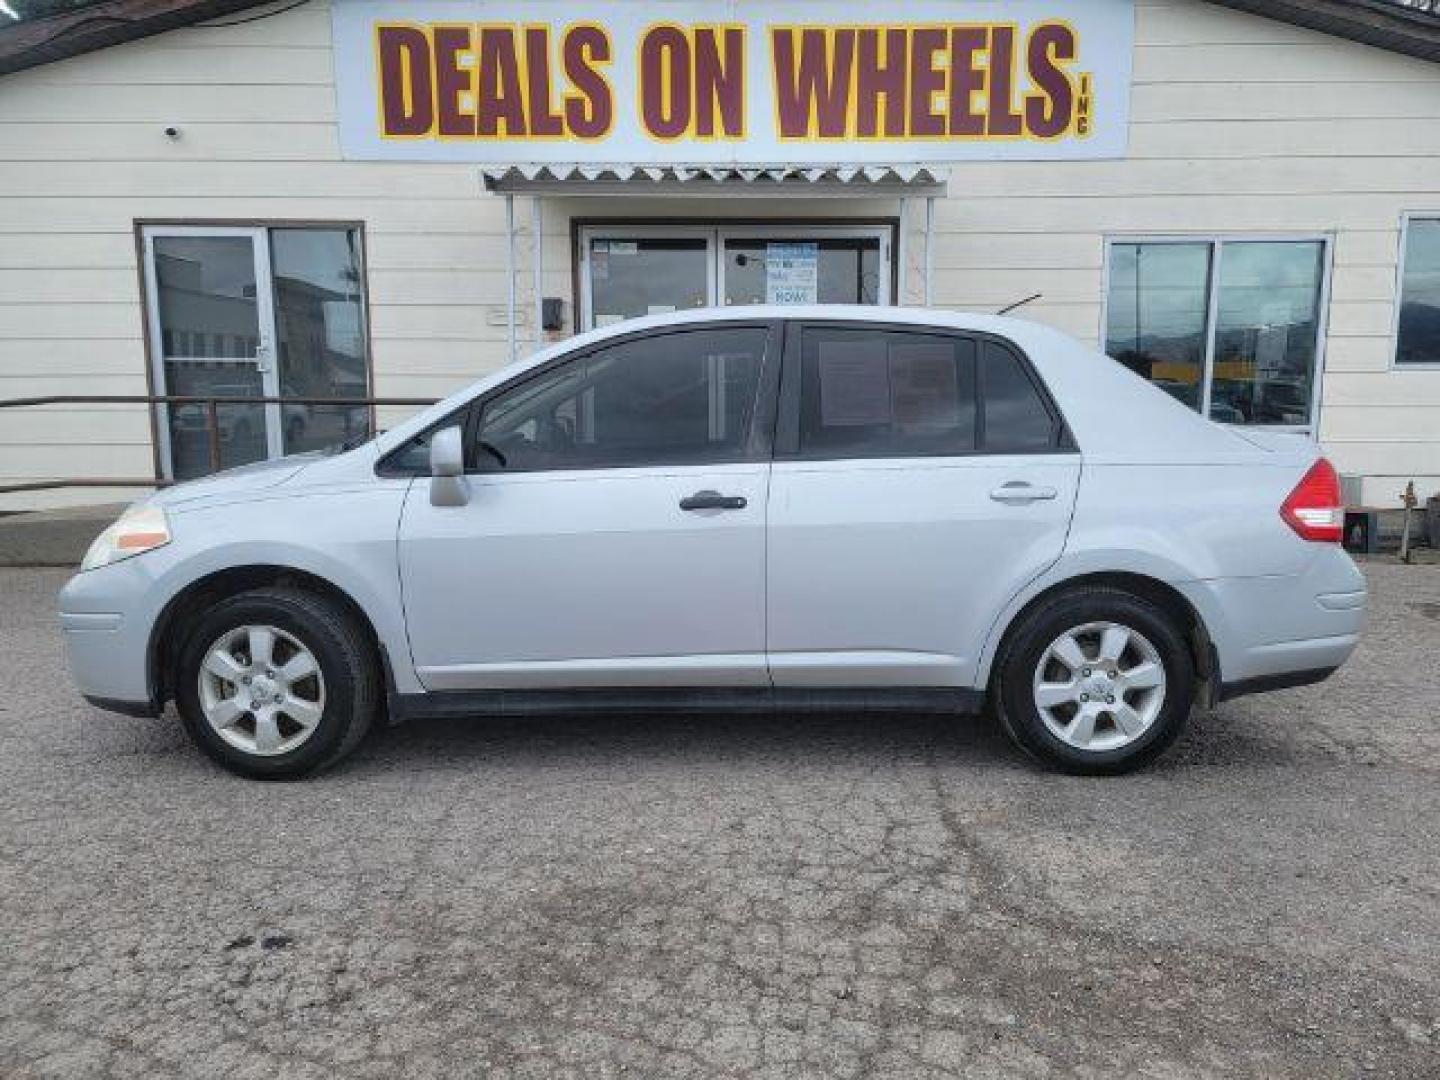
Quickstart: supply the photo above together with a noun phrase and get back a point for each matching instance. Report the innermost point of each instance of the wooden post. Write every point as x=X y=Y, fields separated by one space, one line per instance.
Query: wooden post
x=212 y=433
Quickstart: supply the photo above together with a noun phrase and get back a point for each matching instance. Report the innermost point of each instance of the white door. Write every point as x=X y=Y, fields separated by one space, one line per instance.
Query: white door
x=920 y=480
x=615 y=528
x=212 y=333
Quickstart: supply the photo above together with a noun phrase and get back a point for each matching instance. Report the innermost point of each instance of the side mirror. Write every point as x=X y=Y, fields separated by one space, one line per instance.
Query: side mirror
x=447 y=468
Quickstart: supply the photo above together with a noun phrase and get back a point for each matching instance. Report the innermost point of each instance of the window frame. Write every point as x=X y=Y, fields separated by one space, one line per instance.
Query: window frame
x=758 y=440
x=1400 y=259
x=1217 y=242
x=787 y=430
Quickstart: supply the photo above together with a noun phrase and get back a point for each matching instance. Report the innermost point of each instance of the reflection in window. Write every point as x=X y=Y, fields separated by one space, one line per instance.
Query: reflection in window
x=1159 y=297
x=634 y=277
x=1016 y=419
x=1263 y=341
x=320 y=335
x=1266 y=332
x=1419 y=335
x=205 y=288
x=666 y=399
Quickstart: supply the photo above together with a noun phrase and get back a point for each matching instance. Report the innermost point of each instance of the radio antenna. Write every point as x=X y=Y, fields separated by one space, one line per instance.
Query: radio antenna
x=1019 y=304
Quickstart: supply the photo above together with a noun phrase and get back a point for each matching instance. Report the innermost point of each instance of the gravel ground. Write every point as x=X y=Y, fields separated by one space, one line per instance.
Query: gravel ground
x=831 y=897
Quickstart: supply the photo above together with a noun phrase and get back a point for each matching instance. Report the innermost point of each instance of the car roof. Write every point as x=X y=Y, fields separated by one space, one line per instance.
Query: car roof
x=1113 y=413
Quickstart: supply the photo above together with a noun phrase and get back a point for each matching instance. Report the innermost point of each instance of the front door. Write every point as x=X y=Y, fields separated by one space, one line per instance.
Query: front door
x=920 y=480
x=631 y=271
x=615 y=528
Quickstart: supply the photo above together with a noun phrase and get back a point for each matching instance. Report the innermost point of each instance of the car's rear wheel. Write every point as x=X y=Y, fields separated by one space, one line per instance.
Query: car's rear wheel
x=1095 y=680
x=276 y=683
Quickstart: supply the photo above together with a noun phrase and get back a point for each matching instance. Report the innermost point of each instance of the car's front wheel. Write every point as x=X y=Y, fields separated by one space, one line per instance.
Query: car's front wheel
x=276 y=683
x=1096 y=680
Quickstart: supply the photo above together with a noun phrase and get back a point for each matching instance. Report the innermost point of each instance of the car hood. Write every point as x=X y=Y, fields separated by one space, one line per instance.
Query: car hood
x=240 y=480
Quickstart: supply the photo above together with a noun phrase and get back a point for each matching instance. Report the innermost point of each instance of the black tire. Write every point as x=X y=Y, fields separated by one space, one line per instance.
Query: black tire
x=1013 y=695
x=340 y=647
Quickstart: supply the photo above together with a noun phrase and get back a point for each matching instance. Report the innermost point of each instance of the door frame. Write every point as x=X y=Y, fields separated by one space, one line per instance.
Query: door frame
x=264 y=359
x=715 y=233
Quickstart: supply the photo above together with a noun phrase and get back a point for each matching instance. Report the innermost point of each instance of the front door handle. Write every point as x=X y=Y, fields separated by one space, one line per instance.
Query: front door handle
x=1017 y=492
x=712 y=500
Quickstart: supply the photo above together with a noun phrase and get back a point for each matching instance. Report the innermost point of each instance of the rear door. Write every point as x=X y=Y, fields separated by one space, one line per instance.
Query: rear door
x=921 y=478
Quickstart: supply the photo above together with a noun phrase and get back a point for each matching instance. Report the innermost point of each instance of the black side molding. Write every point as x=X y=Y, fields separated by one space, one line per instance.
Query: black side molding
x=1265 y=683
x=501 y=703
x=145 y=709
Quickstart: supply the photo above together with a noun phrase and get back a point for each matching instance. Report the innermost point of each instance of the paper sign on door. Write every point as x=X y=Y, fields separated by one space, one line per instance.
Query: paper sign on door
x=792 y=273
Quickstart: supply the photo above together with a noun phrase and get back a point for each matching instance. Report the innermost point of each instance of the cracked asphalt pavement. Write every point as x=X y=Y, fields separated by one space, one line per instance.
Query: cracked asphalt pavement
x=815 y=896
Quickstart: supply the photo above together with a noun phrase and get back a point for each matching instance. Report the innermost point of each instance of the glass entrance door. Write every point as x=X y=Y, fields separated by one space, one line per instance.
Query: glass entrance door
x=793 y=266
x=629 y=271
x=212 y=334
x=241 y=312
x=634 y=272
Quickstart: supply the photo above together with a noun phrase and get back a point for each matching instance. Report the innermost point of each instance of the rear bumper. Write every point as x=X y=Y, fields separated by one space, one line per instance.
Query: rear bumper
x=142 y=709
x=1265 y=683
x=1280 y=631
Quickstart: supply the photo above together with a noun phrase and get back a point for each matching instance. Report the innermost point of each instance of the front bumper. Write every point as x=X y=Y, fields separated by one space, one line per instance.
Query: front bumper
x=107 y=638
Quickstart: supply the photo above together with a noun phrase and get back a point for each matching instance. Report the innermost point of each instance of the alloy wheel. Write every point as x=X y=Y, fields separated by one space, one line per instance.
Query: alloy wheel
x=262 y=690
x=1099 y=686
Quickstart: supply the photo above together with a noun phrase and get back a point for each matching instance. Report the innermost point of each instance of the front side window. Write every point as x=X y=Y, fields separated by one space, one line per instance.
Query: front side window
x=1230 y=328
x=1418 y=340
x=669 y=399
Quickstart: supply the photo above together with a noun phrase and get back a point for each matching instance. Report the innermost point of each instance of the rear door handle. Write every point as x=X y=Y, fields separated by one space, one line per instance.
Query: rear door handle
x=712 y=500
x=1017 y=492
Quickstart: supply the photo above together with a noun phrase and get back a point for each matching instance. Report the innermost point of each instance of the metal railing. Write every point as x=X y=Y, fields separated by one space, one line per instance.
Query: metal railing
x=211 y=404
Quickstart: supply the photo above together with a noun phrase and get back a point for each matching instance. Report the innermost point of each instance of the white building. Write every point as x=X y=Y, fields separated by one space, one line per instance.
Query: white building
x=323 y=199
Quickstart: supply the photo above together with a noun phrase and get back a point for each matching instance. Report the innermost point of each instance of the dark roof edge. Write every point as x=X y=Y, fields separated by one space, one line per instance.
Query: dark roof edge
x=34 y=42
x=1381 y=23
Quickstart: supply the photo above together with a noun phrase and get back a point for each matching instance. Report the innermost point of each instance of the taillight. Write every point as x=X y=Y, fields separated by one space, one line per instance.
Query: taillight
x=1313 y=509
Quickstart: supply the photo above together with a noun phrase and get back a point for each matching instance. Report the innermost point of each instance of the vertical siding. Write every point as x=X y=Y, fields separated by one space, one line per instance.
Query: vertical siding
x=1240 y=124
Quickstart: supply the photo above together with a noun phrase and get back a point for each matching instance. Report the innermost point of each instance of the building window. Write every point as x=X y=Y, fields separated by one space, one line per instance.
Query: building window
x=1231 y=328
x=1417 y=340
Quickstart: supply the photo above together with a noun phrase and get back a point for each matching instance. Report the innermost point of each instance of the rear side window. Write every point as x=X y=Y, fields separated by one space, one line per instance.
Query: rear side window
x=1016 y=419
x=879 y=393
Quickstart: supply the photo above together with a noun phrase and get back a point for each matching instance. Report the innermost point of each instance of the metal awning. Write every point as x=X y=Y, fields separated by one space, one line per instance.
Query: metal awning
x=754 y=181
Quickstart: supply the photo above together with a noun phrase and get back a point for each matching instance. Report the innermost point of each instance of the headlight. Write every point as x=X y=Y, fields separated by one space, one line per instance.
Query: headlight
x=139 y=529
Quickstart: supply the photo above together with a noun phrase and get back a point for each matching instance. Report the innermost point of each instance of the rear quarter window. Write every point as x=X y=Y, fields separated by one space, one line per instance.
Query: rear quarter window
x=1017 y=419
